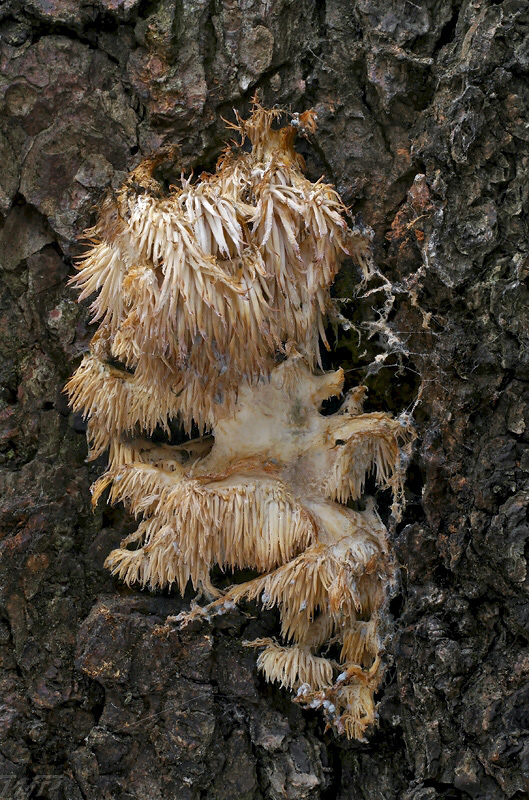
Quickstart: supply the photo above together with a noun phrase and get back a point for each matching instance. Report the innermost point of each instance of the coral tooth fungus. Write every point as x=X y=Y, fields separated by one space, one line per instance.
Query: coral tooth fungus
x=211 y=300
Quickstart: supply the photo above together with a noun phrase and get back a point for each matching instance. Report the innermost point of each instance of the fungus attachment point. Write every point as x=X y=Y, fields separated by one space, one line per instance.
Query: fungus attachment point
x=211 y=300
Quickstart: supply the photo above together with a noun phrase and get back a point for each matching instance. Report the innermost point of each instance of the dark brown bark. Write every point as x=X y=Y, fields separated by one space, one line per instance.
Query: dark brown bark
x=422 y=111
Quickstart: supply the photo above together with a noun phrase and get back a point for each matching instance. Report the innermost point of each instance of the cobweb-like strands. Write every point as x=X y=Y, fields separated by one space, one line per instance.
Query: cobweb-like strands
x=211 y=300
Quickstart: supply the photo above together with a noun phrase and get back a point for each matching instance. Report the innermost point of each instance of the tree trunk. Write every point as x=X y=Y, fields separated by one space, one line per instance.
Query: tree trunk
x=422 y=126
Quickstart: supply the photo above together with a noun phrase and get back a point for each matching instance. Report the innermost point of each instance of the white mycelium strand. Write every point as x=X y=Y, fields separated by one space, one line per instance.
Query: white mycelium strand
x=197 y=291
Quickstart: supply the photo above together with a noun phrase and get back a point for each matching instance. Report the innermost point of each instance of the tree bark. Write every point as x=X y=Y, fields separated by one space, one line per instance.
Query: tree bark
x=422 y=126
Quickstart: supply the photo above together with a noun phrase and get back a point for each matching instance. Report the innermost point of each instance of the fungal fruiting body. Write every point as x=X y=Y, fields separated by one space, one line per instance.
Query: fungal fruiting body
x=212 y=299
x=200 y=288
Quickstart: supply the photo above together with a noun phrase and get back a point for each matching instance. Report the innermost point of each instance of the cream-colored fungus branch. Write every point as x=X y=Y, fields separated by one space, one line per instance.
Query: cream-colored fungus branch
x=211 y=300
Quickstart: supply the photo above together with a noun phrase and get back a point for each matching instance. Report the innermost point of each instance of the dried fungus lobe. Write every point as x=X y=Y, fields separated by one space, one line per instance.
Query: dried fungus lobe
x=200 y=289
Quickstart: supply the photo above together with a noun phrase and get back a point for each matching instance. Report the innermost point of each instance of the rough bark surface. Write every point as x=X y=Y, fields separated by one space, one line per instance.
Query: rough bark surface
x=422 y=110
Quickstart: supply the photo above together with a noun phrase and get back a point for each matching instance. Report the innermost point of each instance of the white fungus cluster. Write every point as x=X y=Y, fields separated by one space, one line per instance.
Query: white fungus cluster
x=211 y=300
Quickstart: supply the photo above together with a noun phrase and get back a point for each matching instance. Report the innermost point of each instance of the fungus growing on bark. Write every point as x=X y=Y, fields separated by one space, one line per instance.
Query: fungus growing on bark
x=212 y=300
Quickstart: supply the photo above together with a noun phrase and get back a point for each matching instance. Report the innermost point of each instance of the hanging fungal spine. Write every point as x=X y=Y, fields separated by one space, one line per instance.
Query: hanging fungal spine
x=211 y=300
